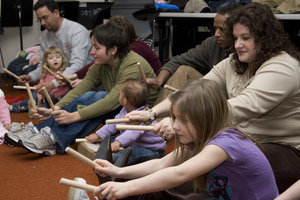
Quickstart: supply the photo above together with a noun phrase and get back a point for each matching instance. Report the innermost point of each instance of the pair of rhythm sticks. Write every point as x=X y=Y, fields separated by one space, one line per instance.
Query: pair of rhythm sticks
x=34 y=88
x=46 y=68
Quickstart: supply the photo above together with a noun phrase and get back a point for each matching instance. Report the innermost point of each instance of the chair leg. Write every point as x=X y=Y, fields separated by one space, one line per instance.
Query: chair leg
x=104 y=152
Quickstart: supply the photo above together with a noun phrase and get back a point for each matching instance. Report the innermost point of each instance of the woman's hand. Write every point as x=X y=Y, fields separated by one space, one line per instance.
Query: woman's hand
x=42 y=113
x=64 y=117
x=75 y=82
x=164 y=129
x=140 y=116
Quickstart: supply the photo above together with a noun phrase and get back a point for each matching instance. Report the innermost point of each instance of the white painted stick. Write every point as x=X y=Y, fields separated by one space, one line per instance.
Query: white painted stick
x=48 y=98
x=10 y=73
x=31 y=97
x=76 y=184
x=64 y=77
x=114 y=121
x=23 y=87
x=170 y=88
x=81 y=157
x=85 y=140
x=51 y=72
x=134 y=127
x=142 y=71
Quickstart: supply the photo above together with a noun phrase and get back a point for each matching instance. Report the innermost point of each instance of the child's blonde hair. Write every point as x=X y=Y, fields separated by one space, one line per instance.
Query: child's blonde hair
x=48 y=51
x=204 y=105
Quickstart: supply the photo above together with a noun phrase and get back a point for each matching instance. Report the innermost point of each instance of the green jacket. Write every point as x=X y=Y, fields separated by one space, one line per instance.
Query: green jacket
x=111 y=81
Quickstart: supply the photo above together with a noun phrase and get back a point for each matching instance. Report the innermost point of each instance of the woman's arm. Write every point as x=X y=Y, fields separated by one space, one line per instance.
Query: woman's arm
x=292 y=193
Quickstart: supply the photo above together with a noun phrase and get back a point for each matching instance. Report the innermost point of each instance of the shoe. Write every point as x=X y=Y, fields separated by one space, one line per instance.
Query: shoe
x=19 y=132
x=10 y=107
x=41 y=143
x=76 y=193
x=17 y=127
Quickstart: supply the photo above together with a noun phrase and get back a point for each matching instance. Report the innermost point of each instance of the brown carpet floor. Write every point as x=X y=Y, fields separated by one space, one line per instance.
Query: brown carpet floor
x=30 y=176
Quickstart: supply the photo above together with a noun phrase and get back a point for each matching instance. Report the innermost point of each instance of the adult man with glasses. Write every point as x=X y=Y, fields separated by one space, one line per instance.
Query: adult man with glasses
x=72 y=38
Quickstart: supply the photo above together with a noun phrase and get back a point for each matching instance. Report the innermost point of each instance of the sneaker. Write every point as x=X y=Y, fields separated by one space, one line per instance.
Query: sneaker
x=17 y=127
x=19 y=132
x=10 y=107
x=76 y=193
x=41 y=143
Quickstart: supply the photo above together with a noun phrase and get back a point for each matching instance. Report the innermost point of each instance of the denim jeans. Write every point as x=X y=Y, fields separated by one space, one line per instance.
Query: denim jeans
x=22 y=106
x=138 y=154
x=66 y=134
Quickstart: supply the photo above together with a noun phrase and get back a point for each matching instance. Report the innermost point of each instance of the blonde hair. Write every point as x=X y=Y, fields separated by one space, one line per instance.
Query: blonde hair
x=204 y=105
x=48 y=51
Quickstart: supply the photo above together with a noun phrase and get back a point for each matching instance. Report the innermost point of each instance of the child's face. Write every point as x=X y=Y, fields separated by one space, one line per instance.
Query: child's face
x=54 y=61
x=180 y=125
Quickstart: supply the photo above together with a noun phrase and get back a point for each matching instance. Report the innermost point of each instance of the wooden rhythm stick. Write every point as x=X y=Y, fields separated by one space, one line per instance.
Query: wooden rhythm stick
x=142 y=71
x=114 y=121
x=99 y=140
x=10 y=73
x=85 y=140
x=31 y=97
x=134 y=127
x=48 y=98
x=64 y=77
x=23 y=87
x=76 y=184
x=81 y=157
x=51 y=72
x=170 y=88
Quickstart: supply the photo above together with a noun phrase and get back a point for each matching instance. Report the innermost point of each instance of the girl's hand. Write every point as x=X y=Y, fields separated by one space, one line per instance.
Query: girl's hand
x=64 y=117
x=106 y=169
x=140 y=116
x=164 y=129
x=7 y=126
x=42 y=113
x=92 y=137
x=111 y=191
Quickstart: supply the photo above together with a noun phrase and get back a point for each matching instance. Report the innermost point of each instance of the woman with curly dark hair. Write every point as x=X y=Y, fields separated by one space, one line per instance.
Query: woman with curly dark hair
x=261 y=79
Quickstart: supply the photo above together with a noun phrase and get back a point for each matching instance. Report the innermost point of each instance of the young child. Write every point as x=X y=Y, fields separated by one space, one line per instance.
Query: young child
x=208 y=150
x=54 y=59
x=5 y=121
x=134 y=95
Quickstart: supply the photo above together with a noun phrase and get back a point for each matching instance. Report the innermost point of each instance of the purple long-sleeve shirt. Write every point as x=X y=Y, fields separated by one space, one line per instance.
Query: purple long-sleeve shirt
x=127 y=138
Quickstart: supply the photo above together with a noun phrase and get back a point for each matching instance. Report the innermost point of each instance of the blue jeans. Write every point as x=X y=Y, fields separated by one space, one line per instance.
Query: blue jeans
x=138 y=154
x=22 y=106
x=66 y=134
